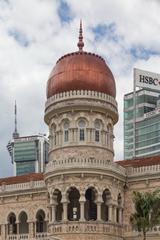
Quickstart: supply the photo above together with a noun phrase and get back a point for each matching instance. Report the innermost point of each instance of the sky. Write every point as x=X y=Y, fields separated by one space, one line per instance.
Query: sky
x=35 y=33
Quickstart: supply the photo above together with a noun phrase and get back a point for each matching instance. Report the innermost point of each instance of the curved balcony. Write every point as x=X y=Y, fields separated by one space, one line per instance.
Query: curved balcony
x=86 y=228
x=81 y=98
x=88 y=164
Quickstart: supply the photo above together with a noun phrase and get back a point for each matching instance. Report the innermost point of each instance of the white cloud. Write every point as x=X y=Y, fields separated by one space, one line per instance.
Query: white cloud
x=24 y=70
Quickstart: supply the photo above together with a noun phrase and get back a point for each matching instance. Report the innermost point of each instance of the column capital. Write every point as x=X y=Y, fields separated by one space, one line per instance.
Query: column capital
x=82 y=199
x=65 y=202
x=64 y=198
x=99 y=199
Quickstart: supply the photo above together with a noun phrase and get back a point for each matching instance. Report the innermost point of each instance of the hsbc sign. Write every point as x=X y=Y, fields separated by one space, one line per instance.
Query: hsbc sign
x=145 y=79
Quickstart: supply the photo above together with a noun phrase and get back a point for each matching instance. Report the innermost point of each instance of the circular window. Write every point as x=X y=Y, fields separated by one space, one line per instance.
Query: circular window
x=81 y=123
x=97 y=124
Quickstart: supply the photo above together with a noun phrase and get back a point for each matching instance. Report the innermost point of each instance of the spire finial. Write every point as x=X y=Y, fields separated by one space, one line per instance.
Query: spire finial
x=15 y=134
x=80 y=43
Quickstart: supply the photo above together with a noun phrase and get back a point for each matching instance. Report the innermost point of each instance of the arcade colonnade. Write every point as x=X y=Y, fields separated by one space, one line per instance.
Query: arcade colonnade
x=90 y=205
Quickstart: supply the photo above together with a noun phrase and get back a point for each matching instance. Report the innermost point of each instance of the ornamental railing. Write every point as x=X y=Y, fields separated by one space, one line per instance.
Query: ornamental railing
x=38 y=236
x=18 y=236
x=81 y=94
x=90 y=163
x=143 y=170
x=21 y=186
x=89 y=228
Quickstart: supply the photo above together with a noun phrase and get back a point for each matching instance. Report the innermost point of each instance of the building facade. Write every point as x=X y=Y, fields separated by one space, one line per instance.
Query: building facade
x=141 y=132
x=83 y=194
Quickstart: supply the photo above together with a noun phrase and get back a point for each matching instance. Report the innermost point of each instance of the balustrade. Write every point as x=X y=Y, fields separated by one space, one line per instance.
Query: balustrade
x=81 y=94
x=38 y=236
x=17 y=236
x=85 y=163
x=90 y=227
x=143 y=170
x=22 y=186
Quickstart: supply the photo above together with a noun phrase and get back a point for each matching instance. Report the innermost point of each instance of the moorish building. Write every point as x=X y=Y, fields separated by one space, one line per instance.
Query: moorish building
x=83 y=194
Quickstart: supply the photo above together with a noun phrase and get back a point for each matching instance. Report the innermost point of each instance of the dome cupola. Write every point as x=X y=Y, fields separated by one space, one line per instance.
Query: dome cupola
x=81 y=71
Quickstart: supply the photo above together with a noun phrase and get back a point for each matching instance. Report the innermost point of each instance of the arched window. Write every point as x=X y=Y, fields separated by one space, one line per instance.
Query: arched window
x=74 y=205
x=12 y=226
x=97 y=126
x=40 y=222
x=23 y=224
x=82 y=125
x=66 y=131
x=90 y=205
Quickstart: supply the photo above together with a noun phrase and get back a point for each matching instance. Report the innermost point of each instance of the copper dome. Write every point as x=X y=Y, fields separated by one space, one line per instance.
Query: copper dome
x=81 y=71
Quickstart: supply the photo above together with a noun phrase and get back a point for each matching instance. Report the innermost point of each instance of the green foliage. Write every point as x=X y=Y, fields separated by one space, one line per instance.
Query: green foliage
x=147 y=211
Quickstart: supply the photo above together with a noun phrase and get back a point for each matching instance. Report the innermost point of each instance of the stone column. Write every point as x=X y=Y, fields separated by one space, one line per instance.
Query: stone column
x=31 y=230
x=60 y=138
x=99 y=211
x=110 y=213
x=82 y=202
x=73 y=138
x=120 y=215
x=92 y=135
x=99 y=203
x=82 y=211
x=17 y=227
x=76 y=134
x=70 y=137
x=50 y=213
x=87 y=134
x=111 y=141
x=103 y=137
x=65 y=217
x=4 y=231
x=53 y=211
x=64 y=201
x=114 y=213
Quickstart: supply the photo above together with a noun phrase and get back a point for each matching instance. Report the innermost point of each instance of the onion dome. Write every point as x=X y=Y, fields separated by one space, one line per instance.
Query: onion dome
x=81 y=71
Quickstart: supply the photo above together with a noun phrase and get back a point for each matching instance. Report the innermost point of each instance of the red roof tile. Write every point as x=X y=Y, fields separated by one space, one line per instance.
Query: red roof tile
x=139 y=162
x=22 y=179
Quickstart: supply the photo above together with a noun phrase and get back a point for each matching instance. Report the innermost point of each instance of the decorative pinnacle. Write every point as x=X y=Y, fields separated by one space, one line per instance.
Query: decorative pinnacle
x=80 y=43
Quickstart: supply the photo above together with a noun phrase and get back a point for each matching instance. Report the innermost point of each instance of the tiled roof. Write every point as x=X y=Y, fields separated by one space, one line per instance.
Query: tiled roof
x=22 y=179
x=139 y=162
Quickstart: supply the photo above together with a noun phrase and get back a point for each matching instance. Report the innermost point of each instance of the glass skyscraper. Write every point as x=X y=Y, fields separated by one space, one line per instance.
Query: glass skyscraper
x=141 y=124
x=29 y=154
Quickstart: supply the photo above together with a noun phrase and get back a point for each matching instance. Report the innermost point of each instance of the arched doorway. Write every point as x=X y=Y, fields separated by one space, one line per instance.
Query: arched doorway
x=40 y=222
x=57 y=197
x=90 y=205
x=73 y=205
x=23 y=224
x=12 y=226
